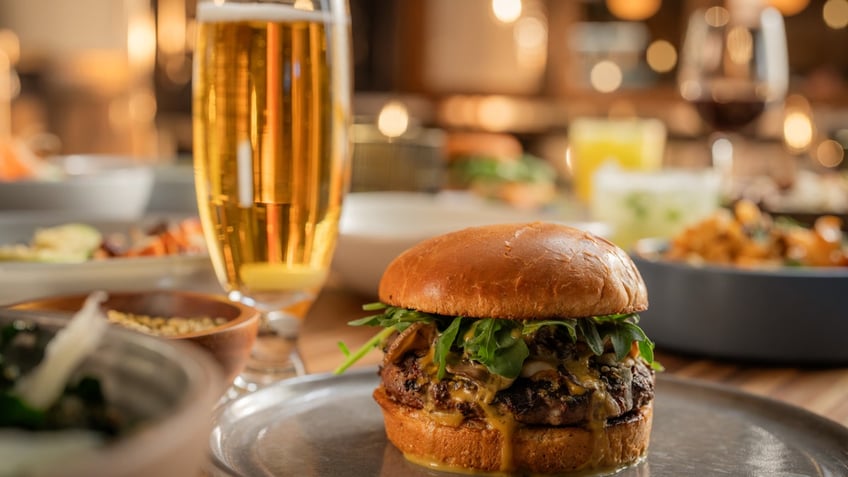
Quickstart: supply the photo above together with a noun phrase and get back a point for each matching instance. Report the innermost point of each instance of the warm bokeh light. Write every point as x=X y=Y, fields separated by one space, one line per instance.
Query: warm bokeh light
x=835 y=14
x=304 y=5
x=171 y=26
x=459 y=111
x=496 y=113
x=531 y=41
x=829 y=153
x=716 y=17
x=740 y=45
x=141 y=39
x=789 y=7
x=11 y=45
x=606 y=76
x=531 y=33
x=393 y=120
x=142 y=106
x=506 y=11
x=633 y=10
x=661 y=56
x=691 y=90
x=797 y=131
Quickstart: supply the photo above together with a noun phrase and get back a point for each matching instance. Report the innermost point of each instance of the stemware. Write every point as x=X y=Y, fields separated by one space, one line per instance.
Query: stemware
x=271 y=112
x=733 y=66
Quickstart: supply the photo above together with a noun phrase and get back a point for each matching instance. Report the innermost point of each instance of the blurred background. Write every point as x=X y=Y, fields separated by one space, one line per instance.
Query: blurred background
x=107 y=76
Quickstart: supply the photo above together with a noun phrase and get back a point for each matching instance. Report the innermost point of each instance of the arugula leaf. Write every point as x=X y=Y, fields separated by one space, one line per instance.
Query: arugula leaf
x=646 y=349
x=371 y=344
x=499 y=344
x=534 y=326
x=589 y=332
x=14 y=412
x=444 y=344
x=391 y=320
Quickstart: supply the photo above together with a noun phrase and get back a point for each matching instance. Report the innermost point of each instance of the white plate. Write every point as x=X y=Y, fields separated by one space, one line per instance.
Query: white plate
x=377 y=226
x=25 y=280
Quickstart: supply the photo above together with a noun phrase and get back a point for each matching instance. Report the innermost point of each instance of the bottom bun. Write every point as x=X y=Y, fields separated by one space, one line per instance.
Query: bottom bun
x=544 y=450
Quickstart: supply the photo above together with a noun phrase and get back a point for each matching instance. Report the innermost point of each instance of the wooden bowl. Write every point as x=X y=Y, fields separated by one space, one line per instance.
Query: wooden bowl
x=230 y=344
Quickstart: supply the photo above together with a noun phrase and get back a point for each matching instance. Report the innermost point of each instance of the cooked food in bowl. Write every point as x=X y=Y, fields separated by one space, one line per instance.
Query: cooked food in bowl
x=514 y=348
x=80 y=242
x=164 y=325
x=748 y=237
x=226 y=329
x=744 y=285
x=37 y=392
x=80 y=398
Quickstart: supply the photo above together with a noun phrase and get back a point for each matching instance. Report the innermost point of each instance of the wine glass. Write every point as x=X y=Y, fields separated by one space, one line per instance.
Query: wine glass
x=271 y=115
x=733 y=66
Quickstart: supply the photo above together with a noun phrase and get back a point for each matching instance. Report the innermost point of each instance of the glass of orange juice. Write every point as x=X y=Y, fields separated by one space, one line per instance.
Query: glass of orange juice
x=631 y=144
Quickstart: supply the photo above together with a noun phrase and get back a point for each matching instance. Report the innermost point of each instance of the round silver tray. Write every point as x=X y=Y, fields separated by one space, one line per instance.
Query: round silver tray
x=324 y=425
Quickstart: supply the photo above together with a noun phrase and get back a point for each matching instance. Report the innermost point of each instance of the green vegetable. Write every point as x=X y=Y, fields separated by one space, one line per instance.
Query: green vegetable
x=499 y=344
x=527 y=168
x=68 y=243
x=444 y=343
x=22 y=348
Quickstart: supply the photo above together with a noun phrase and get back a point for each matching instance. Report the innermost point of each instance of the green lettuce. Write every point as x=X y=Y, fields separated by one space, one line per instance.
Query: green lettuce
x=499 y=344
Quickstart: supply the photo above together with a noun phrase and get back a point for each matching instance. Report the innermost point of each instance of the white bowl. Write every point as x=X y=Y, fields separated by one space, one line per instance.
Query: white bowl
x=102 y=186
x=27 y=280
x=173 y=189
x=377 y=226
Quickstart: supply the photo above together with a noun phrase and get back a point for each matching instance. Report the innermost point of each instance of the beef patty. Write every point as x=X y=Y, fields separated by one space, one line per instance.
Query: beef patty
x=567 y=386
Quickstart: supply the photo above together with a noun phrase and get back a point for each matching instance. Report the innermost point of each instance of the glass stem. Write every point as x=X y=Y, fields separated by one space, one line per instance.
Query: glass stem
x=722 y=158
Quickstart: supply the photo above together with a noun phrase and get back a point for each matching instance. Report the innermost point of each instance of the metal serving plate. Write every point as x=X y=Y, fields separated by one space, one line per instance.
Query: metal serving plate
x=324 y=425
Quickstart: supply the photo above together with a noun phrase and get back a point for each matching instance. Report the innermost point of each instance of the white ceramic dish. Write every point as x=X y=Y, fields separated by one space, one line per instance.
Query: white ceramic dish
x=21 y=281
x=377 y=226
x=173 y=189
x=103 y=186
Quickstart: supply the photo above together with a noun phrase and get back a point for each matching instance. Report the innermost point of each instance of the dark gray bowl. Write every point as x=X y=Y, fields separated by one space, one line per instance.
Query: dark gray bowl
x=783 y=316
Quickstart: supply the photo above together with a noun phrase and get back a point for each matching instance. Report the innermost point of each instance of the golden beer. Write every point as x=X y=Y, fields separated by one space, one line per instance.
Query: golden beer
x=270 y=113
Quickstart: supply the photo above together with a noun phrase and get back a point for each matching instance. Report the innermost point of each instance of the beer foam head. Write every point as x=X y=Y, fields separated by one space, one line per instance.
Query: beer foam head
x=267 y=12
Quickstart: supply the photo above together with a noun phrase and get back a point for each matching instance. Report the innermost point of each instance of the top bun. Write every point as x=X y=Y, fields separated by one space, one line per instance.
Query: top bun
x=461 y=145
x=515 y=271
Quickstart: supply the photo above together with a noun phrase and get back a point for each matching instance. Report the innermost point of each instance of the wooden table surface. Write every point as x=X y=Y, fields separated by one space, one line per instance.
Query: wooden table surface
x=823 y=391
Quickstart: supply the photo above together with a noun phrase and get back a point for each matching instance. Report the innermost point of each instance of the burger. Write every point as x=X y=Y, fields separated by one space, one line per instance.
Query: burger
x=495 y=166
x=514 y=348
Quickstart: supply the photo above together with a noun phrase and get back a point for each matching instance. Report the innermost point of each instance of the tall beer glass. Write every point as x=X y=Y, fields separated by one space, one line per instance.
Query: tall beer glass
x=271 y=113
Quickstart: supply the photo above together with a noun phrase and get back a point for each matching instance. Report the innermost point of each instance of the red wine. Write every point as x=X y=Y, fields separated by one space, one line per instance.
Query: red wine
x=731 y=115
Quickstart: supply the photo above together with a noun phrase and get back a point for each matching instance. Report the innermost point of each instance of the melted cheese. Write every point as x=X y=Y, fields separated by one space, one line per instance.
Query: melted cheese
x=586 y=379
x=482 y=394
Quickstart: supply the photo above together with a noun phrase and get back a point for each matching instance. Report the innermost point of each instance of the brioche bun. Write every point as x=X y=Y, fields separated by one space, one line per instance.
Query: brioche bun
x=460 y=145
x=538 y=450
x=531 y=271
